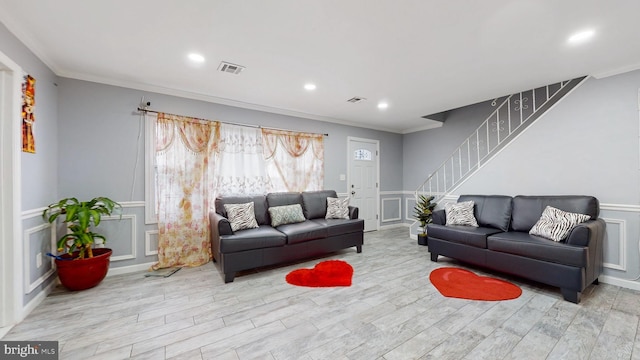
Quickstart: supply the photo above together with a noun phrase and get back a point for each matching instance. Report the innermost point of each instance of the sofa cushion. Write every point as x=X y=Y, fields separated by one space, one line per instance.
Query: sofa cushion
x=461 y=234
x=241 y=216
x=491 y=210
x=341 y=226
x=261 y=237
x=284 y=198
x=259 y=206
x=337 y=208
x=460 y=214
x=303 y=231
x=528 y=209
x=555 y=224
x=286 y=214
x=534 y=247
x=314 y=203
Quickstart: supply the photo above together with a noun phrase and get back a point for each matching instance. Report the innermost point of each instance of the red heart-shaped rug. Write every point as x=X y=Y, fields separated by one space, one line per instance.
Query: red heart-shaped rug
x=324 y=274
x=463 y=284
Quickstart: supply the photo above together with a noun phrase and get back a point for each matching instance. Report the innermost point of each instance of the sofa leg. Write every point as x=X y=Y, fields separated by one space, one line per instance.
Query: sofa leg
x=358 y=249
x=570 y=295
x=434 y=257
x=228 y=277
x=596 y=282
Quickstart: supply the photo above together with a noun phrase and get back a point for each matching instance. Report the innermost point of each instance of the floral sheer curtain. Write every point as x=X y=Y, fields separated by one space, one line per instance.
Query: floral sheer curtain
x=239 y=165
x=294 y=161
x=197 y=160
x=184 y=148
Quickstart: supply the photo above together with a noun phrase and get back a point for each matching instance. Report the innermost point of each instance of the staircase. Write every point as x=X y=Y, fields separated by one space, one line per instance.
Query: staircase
x=512 y=115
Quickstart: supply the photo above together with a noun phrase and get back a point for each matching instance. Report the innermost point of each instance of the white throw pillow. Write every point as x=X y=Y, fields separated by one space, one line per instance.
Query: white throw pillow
x=460 y=213
x=241 y=216
x=555 y=224
x=337 y=208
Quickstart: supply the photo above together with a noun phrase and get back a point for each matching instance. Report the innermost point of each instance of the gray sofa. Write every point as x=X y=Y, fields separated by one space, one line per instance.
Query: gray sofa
x=502 y=241
x=265 y=245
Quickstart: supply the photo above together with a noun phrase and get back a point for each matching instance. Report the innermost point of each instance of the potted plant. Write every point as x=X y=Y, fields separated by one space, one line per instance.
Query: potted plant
x=423 y=211
x=81 y=266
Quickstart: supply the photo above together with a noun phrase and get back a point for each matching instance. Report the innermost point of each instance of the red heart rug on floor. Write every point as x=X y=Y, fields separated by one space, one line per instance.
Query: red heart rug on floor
x=463 y=284
x=325 y=274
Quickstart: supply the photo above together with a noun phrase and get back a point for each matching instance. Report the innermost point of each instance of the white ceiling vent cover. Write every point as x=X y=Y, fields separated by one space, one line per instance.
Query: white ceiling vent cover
x=230 y=68
x=356 y=99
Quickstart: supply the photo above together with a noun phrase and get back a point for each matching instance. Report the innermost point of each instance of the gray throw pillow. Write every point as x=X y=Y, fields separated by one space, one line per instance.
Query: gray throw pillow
x=287 y=214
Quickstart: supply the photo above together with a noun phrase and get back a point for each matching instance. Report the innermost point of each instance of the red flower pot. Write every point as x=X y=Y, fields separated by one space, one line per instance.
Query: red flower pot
x=81 y=274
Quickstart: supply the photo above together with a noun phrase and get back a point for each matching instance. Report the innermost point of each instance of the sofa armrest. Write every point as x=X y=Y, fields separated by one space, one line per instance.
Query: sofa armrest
x=219 y=225
x=586 y=233
x=353 y=212
x=590 y=234
x=439 y=217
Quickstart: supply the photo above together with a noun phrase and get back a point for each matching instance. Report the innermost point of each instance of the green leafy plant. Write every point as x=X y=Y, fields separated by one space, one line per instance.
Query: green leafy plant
x=423 y=210
x=80 y=217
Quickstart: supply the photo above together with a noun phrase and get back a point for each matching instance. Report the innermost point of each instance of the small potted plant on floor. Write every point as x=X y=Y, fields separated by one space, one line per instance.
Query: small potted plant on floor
x=422 y=213
x=81 y=266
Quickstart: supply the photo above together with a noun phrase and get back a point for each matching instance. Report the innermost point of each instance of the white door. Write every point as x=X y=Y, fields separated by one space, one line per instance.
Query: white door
x=363 y=180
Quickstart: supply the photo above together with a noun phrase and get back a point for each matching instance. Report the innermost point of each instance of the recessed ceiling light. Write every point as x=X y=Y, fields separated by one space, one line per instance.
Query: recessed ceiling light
x=382 y=105
x=196 y=58
x=581 y=37
x=309 y=86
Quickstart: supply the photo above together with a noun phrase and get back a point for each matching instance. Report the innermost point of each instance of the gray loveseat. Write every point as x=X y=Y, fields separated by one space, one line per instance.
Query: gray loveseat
x=266 y=245
x=502 y=241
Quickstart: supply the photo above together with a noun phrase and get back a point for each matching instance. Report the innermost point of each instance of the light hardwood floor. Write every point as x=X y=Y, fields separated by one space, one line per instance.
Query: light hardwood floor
x=390 y=312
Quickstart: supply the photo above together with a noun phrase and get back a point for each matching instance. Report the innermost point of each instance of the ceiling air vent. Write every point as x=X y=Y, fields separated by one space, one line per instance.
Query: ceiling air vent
x=356 y=99
x=230 y=68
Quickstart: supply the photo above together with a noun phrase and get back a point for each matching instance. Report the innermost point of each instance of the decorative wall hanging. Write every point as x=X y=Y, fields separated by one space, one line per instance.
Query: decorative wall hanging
x=28 y=115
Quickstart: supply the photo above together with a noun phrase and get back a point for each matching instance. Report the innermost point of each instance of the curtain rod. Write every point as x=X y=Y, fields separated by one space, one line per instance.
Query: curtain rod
x=231 y=123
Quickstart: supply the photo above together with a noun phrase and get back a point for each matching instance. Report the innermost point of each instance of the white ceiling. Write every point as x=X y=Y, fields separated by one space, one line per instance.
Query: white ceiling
x=421 y=56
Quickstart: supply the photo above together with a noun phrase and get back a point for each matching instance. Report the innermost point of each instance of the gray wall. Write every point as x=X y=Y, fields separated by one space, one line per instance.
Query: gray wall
x=587 y=144
x=98 y=135
x=102 y=119
x=424 y=151
x=38 y=171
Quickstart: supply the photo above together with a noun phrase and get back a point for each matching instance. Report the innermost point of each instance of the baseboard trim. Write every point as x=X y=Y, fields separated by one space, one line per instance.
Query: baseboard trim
x=627 y=284
x=392 y=226
x=129 y=269
x=31 y=305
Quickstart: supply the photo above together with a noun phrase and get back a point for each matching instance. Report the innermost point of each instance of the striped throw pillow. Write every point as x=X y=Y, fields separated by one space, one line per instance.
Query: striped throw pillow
x=460 y=213
x=555 y=224
x=337 y=208
x=241 y=216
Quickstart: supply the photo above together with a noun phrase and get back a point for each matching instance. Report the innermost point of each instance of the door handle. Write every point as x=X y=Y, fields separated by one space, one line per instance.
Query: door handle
x=353 y=193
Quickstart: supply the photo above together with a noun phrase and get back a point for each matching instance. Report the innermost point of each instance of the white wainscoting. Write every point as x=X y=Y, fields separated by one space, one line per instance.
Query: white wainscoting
x=409 y=204
x=622 y=244
x=132 y=218
x=28 y=285
x=150 y=250
x=399 y=206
